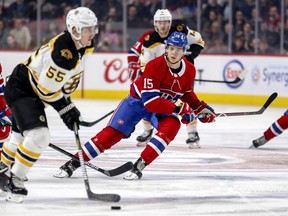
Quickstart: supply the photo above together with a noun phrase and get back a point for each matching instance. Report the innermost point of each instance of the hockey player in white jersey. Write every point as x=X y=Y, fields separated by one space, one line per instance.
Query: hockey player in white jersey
x=151 y=45
x=48 y=77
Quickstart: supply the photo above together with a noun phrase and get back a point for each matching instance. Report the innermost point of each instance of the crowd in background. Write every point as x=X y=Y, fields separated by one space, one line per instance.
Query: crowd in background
x=18 y=23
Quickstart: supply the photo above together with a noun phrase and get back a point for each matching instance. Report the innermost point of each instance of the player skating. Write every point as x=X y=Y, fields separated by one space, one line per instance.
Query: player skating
x=49 y=76
x=5 y=114
x=153 y=96
x=274 y=130
x=151 y=45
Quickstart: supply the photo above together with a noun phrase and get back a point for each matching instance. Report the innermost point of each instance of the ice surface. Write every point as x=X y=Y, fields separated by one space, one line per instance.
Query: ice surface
x=223 y=178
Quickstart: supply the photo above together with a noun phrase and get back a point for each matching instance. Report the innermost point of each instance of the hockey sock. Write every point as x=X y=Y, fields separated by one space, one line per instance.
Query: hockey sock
x=276 y=128
x=167 y=130
x=105 y=139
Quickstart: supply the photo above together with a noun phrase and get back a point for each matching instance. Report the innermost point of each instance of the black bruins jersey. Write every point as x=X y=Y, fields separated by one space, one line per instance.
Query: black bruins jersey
x=55 y=68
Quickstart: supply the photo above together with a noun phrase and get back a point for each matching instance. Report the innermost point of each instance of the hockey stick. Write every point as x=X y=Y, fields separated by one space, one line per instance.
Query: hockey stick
x=238 y=79
x=258 y=112
x=90 y=124
x=91 y=195
x=114 y=172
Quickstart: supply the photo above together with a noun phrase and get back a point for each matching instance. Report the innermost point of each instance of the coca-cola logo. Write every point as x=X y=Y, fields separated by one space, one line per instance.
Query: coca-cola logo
x=115 y=71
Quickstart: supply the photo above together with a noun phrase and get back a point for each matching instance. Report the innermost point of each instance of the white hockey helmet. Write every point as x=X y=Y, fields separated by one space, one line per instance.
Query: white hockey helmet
x=79 y=18
x=162 y=15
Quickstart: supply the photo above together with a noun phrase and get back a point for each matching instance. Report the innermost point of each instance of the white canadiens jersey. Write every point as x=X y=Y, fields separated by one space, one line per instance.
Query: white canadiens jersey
x=154 y=46
x=56 y=67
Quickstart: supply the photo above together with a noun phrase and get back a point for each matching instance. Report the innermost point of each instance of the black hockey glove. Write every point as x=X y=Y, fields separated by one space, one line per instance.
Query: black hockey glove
x=68 y=112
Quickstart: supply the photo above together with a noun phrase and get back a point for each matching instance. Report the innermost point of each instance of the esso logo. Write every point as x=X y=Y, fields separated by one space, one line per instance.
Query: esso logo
x=256 y=75
x=231 y=71
x=114 y=71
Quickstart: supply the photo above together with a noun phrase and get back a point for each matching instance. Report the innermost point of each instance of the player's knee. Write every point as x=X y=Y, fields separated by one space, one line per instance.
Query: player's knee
x=36 y=139
x=107 y=138
x=169 y=126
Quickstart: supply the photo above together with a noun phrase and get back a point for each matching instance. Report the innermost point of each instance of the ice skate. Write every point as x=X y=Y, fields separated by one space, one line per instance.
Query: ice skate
x=193 y=140
x=67 y=169
x=3 y=167
x=144 y=138
x=3 y=183
x=16 y=190
x=136 y=172
x=258 y=142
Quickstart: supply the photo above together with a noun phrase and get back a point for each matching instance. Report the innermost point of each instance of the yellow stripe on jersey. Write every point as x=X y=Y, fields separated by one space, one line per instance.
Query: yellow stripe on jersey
x=155 y=44
x=53 y=96
x=89 y=50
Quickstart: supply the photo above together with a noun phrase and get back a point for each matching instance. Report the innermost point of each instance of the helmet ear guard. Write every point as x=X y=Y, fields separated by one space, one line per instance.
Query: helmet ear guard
x=162 y=15
x=79 y=18
x=178 y=39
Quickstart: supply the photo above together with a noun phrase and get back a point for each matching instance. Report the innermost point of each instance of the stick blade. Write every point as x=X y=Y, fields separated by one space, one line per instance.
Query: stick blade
x=104 y=197
x=270 y=99
x=119 y=170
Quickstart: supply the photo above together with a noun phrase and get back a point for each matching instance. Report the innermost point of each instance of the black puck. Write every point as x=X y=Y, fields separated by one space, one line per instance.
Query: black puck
x=115 y=207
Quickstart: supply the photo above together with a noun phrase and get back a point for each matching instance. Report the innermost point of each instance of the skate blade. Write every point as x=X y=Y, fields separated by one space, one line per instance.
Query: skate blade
x=61 y=174
x=141 y=144
x=195 y=145
x=16 y=198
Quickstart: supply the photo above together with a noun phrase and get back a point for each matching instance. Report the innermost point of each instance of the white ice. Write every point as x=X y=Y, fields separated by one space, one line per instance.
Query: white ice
x=223 y=178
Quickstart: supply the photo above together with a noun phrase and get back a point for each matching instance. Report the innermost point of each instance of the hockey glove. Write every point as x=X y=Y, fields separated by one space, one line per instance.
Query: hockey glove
x=70 y=114
x=134 y=71
x=185 y=112
x=5 y=117
x=205 y=113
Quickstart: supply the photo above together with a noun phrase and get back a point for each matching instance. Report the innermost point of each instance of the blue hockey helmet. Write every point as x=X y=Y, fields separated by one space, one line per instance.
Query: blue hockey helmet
x=177 y=39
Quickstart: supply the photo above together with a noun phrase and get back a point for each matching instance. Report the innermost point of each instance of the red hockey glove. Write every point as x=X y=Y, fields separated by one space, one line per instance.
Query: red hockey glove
x=134 y=71
x=205 y=113
x=185 y=111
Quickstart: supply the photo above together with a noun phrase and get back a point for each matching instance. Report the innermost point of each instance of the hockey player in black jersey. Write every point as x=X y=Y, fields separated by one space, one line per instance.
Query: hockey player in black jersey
x=48 y=77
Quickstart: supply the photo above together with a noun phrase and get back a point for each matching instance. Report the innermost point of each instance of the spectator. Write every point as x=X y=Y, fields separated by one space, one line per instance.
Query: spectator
x=207 y=23
x=61 y=19
x=18 y=9
x=11 y=44
x=51 y=32
x=3 y=33
x=152 y=7
x=133 y=18
x=218 y=47
x=212 y=5
x=215 y=32
x=138 y=11
x=238 y=45
x=248 y=35
x=110 y=40
x=274 y=20
x=112 y=15
x=238 y=23
x=21 y=33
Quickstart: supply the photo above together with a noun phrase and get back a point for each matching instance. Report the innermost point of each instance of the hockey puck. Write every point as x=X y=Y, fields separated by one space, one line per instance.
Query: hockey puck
x=115 y=207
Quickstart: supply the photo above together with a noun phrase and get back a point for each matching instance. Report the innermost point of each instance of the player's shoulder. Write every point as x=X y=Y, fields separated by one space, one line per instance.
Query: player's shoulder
x=179 y=28
x=152 y=38
x=64 y=53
